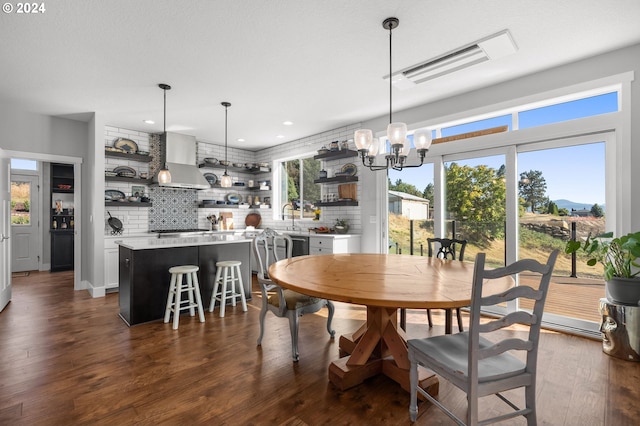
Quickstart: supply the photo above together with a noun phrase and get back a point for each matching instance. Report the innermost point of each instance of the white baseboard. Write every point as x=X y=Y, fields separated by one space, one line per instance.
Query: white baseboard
x=94 y=291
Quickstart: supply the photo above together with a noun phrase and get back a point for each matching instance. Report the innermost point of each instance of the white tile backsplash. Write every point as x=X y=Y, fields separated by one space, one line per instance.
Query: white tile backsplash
x=138 y=219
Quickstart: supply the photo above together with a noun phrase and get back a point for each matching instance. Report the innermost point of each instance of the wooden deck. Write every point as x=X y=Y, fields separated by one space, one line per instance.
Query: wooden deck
x=574 y=298
x=571 y=297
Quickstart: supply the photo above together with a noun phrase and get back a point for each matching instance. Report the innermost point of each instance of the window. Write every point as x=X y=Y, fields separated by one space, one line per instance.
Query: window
x=20 y=164
x=585 y=107
x=298 y=193
x=20 y=202
x=504 y=120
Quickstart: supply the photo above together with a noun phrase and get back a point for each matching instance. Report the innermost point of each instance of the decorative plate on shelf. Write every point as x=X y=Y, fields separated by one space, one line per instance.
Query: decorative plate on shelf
x=234 y=198
x=125 y=171
x=127 y=145
x=113 y=195
x=211 y=178
x=349 y=169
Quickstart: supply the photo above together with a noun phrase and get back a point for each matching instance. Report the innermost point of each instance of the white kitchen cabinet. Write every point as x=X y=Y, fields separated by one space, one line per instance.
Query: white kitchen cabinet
x=111 y=262
x=334 y=244
x=110 y=268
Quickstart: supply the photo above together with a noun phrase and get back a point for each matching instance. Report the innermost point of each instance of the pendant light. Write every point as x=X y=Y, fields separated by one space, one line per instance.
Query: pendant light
x=369 y=147
x=164 y=176
x=225 y=181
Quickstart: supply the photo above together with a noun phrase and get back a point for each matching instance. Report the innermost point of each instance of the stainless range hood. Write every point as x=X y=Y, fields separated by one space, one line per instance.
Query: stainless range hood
x=180 y=154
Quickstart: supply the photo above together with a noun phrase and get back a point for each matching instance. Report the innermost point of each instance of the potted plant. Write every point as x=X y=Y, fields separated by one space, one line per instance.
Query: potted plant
x=619 y=256
x=341 y=226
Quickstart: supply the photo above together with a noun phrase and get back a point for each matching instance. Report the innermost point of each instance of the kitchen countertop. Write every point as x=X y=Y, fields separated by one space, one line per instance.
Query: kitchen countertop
x=200 y=240
x=142 y=241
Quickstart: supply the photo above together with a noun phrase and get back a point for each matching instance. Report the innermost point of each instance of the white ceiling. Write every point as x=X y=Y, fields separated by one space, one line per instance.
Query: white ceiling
x=316 y=63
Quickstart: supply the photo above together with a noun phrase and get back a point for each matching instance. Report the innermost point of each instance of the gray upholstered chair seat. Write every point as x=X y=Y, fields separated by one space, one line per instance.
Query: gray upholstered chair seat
x=453 y=352
x=294 y=299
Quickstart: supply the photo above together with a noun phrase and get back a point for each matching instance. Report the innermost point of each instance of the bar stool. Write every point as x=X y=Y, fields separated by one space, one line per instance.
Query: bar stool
x=177 y=287
x=228 y=285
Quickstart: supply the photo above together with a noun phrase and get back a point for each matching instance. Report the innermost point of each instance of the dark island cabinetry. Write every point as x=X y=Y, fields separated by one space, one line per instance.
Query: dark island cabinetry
x=144 y=275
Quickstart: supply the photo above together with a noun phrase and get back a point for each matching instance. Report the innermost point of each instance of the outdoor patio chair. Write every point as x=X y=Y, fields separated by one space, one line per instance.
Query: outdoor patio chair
x=446 y=250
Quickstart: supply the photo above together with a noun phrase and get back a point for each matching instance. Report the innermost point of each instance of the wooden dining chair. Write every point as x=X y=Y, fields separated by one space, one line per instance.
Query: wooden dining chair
x=269 y=247
x=481 y=362
x=446 y=250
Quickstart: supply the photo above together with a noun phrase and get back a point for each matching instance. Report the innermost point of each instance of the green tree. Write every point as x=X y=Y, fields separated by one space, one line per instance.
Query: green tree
x=563 y=211
x=428 y=193
x=532 y=188
x=312 y=191
x=408 y=188
x=552 y=208
x=597 y=211
x=476 y=196
x=292 y=189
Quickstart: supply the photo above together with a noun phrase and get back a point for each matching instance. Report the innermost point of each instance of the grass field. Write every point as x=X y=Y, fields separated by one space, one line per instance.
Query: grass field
x=533 y=244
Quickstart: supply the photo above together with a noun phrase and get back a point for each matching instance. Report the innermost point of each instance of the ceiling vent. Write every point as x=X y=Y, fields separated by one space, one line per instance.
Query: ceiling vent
x=489 y=48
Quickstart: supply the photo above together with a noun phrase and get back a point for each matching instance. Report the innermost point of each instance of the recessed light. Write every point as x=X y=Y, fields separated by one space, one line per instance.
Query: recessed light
x=240 y=140
x=280 y=136
x=149 y=121
x=288 y=123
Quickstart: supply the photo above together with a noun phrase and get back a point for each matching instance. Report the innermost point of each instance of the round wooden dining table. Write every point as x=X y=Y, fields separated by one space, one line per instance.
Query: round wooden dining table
x=383 y=283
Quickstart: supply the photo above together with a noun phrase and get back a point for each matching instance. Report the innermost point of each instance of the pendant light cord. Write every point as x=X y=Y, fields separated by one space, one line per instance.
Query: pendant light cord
x=226 y=110
x=390 y=78
x=226 y=106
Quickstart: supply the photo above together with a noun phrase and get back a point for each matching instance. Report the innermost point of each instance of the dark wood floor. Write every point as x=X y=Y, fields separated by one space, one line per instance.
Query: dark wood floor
x=66 y=358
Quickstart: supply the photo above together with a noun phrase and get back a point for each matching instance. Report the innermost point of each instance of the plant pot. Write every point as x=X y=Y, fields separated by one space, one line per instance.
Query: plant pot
x=341 y=229
x=625 y=291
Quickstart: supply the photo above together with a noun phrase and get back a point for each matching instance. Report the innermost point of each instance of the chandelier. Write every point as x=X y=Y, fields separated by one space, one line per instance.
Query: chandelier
x=369 y=147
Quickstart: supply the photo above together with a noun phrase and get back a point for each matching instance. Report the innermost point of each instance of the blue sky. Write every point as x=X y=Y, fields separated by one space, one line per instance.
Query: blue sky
x=573 y=173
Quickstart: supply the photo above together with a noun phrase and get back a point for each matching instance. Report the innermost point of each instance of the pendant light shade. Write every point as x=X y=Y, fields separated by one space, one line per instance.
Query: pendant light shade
x=225 y=181
x=164 y=175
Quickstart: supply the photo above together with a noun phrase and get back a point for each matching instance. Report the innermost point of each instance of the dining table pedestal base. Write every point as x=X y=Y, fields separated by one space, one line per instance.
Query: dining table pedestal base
x=378 y=347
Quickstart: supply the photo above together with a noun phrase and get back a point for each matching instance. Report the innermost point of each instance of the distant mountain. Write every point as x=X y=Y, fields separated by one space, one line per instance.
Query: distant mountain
x=576 y=206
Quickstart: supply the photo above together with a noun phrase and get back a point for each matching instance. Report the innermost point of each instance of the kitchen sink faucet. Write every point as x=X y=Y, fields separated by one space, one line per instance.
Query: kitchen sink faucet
x=293 y=216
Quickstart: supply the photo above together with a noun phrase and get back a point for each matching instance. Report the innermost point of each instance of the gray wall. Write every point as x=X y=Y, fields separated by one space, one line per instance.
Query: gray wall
x=29 y=132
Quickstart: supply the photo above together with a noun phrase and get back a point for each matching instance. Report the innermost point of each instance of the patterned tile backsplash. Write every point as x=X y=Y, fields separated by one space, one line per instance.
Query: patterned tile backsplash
x=173 y=208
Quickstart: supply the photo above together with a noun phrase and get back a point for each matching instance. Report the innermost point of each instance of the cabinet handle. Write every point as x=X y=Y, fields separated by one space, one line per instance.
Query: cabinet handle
x=126 y=262
x=3 y=238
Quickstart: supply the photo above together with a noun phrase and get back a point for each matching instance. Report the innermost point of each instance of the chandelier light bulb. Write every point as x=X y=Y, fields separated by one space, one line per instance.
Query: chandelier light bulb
x=422 y=139
x=363 y=139
x=397 y=133
x=374 y=148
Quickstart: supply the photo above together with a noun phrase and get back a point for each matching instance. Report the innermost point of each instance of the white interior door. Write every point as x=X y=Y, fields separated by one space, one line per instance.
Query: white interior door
x=25 y=229
x=5 y=228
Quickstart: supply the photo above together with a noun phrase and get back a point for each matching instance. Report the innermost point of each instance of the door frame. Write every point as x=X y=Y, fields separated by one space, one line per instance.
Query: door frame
x=5 y=229
x=77 y=175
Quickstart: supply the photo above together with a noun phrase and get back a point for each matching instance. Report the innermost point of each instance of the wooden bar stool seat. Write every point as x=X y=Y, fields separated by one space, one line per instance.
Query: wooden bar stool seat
x=228 y=285
x=177 y=286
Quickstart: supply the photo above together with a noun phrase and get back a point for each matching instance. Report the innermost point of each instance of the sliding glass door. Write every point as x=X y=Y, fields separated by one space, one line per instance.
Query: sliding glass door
x=562 y=196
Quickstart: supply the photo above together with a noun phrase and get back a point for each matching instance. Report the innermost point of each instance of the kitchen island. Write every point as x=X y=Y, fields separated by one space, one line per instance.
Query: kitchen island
x=143 y=270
